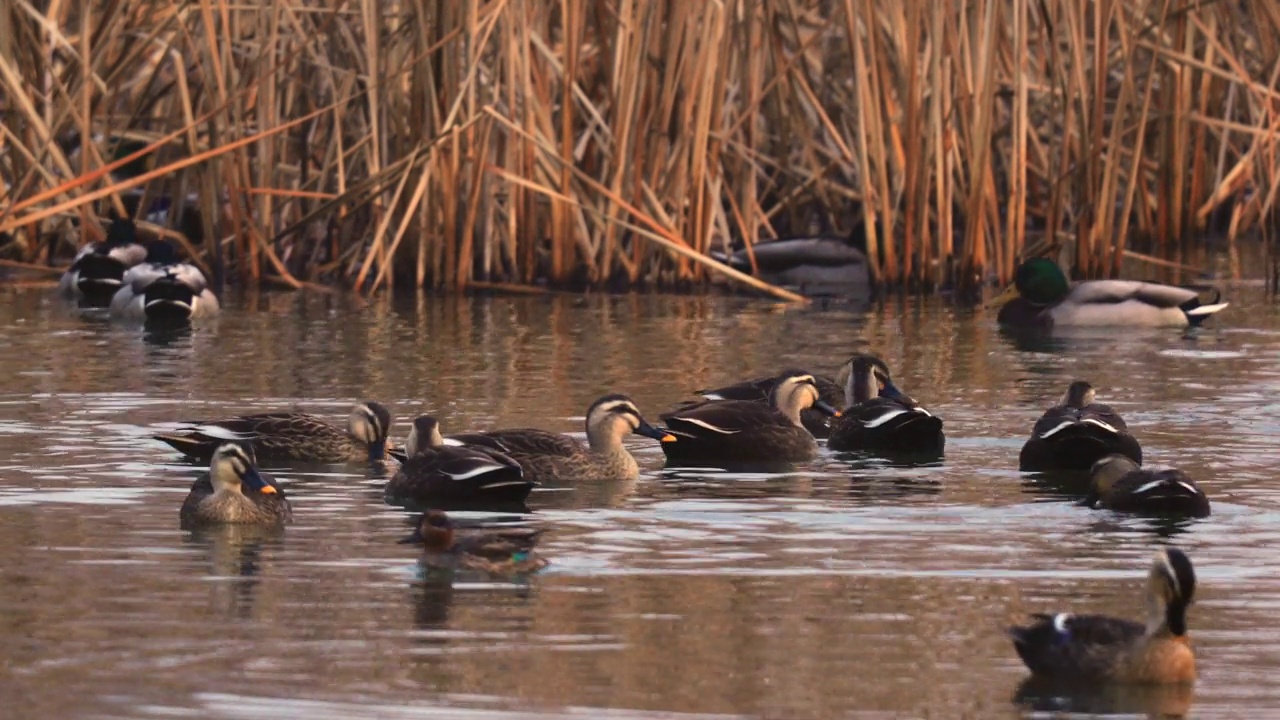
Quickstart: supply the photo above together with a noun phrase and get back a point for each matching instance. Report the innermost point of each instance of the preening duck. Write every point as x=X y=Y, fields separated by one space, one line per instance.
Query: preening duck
x=291 y=436
x=162 y=289
x=1041 y=296
x=817 y=422
x=879 y=417
x=744 y=431
x=1099 y=648
x=99 y=268
x=1119 y=483
x=234 y=492
x=436 y=472
x=1076 y=433
x=499 y=552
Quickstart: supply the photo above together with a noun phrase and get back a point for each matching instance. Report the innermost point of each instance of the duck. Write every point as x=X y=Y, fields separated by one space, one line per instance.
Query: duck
x=291 y=436
x=1076 y=433
x=550 y=458
x=233 y=492
x=98 y=270
x=1041 y=297
x=502 y=552
x=434 y=471
x=880 y=417
x=1119 y=483
x=759 y=390
x=816 y=264
x=745 y=431
x=163 y=289
x=1097 y=648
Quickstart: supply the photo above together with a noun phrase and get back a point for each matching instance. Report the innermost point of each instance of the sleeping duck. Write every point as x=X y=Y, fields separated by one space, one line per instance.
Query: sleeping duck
x=98 y=269
x=164 y=289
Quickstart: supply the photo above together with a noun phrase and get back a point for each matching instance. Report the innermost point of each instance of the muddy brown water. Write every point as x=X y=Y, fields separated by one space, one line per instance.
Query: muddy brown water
x=847 y=588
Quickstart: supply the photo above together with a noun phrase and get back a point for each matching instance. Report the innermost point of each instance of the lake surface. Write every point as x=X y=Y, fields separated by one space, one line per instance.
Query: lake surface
x=844 y=589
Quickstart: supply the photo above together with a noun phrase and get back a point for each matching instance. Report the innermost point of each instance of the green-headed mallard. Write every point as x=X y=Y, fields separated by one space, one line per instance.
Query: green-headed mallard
x=1096 y=648
x=817 y=422
x=162 y=289
x=291 y=436
x=1119 y=483
x=744 y=431
x=1076 y=433
x=551 y=458
x=1040 y=296
x=98 y=269
x=879 y=417
x=435 y=472
x=507 y=551
x=233 y=492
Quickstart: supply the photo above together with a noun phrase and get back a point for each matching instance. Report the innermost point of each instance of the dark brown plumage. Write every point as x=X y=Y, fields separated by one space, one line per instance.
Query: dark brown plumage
x=1076 y=433
x=291 y=436
x=234 y=492
x=1118 y=483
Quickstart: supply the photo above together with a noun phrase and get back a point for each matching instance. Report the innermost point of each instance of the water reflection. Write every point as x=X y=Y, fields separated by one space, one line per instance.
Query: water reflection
x=1155 y=701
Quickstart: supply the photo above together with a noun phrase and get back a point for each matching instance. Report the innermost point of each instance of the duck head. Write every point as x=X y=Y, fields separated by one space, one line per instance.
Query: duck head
x=424 y=434
x=1079 y=394
x=232 y=470
x=369 y=423
x=796 y=390
x=866 y=376
x=1039 y=281
x=612 y=417
x=434 y=531
x=1171 y=587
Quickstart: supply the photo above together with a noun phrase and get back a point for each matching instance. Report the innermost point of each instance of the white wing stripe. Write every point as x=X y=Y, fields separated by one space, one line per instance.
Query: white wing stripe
x=709 y=426
x=478 y=470
x=884 y=418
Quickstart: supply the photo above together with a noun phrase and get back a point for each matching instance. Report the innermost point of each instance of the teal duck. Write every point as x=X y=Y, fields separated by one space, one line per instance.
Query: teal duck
x=284 y=437
x=817 y=422
x=1097 y=648
x=1076 y=433
x=435 y=472
x=1119 y=483
x=162 y=289
x=744 y=431
x=508 y=551
x=1041 y=296
x=878 y=417
x=551 y=458
x=98 y=270
x=233 y=492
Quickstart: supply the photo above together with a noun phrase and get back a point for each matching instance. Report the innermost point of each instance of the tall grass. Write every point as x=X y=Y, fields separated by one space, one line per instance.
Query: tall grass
x=457 y=143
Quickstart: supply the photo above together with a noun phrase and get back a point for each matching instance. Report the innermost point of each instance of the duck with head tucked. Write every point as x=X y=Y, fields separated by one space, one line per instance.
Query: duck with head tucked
x=1097 y=648
x=99 y=268
x=1076 y=433
x=163 y=289
x=233 y=492
x=291 y=436
x=498 y=552
x=435 y=472
x=1118 y=483
x=744 y=431
x=1041 y=297
x=880 y=418
x=553 y=458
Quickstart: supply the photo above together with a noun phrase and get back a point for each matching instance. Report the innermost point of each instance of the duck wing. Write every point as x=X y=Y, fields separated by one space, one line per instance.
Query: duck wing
x=1076 y=646
x=521 y=441
x=499 y=544
x=1112 y=292
x=722 y=417
x=780 y=255
x=1099 y=414
x=757 y=389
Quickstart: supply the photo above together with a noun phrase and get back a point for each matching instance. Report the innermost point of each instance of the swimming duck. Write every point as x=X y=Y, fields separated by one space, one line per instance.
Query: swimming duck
x=291 y=436
x=163 y=289
x=550 y=458
x=1121 y=484
x=822 y=264
x=1076 y=433
x=508 y=551
x=1040 y=296
x=745 y=431
x=818 y=423
x=879 y=417
x=1100 y=648
x=234 y=492
x=434 y=471
x=98 y=269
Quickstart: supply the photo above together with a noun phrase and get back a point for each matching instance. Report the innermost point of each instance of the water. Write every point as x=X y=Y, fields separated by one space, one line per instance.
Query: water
x=839 y=590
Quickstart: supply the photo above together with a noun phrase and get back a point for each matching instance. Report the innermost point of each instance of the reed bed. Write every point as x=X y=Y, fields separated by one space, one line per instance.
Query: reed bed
x=460 y=143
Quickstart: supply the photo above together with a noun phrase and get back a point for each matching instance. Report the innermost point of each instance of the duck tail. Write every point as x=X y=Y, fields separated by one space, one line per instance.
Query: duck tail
x=187 y=443
x=168 y=298
x=1197 y=312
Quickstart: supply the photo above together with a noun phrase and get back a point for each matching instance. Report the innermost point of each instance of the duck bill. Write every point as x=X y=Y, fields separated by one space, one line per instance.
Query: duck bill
x=826 y=408
x=254 y=481
x=1010 y=293
x=377 y=450
x=414 y=539
x=658 y=434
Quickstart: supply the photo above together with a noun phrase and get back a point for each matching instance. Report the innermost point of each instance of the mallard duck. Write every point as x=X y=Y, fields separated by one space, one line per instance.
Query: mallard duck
x=1098 y=648
x=1040 y=296
x=291 y=436
x=163 y=289
x=233 y=492
x=879 y=417
x=744 y=431
x=1076 y=433
x=435 y=472
x=1119 y=483
x=816 y=264
x=551 y=458
x=508 y=551
x=98 y=269
x=759 y=390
